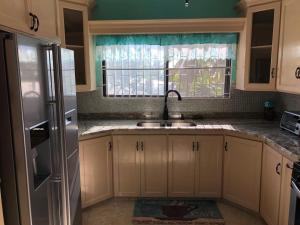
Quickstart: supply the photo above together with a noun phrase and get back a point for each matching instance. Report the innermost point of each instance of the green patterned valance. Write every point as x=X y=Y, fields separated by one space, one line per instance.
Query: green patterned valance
x=168 y=39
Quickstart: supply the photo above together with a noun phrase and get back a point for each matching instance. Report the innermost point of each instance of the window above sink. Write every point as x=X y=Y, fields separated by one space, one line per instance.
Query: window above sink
x=197 y=65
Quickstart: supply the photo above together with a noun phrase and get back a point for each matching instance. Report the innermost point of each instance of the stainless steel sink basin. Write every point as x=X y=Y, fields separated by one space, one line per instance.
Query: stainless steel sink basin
x=150 y=124
x=169 y=123
x=181 y=123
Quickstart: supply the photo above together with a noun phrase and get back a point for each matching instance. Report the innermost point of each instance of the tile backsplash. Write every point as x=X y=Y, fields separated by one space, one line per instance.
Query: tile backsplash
x=289 y=102
x=241 y=102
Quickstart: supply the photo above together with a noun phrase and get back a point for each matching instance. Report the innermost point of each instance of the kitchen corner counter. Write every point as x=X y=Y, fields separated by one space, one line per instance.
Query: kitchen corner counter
x=269 y=132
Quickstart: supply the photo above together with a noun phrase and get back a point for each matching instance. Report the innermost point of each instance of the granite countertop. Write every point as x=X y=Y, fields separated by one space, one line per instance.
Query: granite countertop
x=269 y=132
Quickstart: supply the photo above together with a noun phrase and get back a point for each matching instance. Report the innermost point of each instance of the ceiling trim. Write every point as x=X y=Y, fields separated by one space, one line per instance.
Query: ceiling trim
x=105 y=27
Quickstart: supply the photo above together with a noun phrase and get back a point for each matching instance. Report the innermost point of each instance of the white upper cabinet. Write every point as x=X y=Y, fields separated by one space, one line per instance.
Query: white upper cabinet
x=74 y=35
x=13 y=14
x=46 y=17
x=289 y=54
x=258 y=48
x=35 y=17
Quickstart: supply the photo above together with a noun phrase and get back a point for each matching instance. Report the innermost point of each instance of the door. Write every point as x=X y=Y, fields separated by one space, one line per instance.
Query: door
x=285 y=195
x=46 y=12
x=289 y=55
x=96 y=170
x=13 y=14
x=270 y=188
x=261 y=43
x=74 y=35
x=182 y=161
x=127 y=166
x=153 y=150
x=209 y=166
x=242 y=172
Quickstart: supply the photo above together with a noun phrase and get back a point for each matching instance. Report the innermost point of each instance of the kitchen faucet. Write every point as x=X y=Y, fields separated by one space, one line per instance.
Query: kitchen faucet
x=166 y=111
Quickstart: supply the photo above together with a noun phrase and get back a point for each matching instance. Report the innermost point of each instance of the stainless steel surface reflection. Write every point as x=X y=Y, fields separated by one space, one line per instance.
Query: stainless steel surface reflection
x=166 y=123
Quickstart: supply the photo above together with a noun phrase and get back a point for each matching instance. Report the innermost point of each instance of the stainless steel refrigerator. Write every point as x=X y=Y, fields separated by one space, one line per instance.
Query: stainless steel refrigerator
x=39 y=158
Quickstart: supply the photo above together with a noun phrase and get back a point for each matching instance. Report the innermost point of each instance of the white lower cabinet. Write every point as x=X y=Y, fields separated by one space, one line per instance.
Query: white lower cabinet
x=254 y=176
x=285 y=190
x=96 y=170
x=195 y=166
x=276 y=187
x=270 y=187
x=242 y=172
x=140 y=165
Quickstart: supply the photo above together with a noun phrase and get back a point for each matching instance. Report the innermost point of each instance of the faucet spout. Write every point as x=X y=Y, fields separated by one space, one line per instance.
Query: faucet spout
x=166 y=110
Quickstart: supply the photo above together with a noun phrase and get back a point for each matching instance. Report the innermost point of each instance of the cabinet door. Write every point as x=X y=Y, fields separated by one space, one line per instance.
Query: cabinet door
x=242 y=172
x=13 y=14
x=96 y=166
x=285 y=191
x=270 y=188
x=258 y=48
x=209 y=166
x=181 y=166
x=74 y=35
x=289 y=55
x=126 y=166
x=153 y=150
x=47 y=14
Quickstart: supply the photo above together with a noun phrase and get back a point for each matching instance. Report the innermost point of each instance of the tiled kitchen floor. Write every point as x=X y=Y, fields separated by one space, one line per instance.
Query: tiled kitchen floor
x=119 y=212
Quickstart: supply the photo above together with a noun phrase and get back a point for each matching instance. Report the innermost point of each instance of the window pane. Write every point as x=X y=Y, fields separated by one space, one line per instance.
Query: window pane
x=195 y=70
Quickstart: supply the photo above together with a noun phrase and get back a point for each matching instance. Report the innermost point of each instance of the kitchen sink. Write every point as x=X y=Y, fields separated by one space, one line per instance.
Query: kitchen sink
x=167 y=123
x=181 y=123
x=151 y=124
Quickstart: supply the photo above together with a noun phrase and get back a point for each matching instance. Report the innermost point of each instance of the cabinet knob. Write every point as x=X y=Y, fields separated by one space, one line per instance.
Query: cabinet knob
x=142 y=146
x=109 y=146
x=297 y=73
x=193 y=146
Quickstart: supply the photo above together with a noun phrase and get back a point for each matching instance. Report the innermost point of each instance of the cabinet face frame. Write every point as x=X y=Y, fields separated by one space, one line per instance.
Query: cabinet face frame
x=244 y=50
x=89 y=64
x=290 y=86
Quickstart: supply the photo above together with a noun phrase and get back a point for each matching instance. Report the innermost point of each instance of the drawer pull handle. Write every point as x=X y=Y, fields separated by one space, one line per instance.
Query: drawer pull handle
x=297 y=73
x=289 y=167
x=226 y=146
x=277 y=168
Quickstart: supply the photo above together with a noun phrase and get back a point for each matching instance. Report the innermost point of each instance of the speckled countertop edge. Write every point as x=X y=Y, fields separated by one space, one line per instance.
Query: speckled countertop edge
x=284 y=142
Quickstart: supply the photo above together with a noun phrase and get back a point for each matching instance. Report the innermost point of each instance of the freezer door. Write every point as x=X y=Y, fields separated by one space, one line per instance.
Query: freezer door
x=68 y=79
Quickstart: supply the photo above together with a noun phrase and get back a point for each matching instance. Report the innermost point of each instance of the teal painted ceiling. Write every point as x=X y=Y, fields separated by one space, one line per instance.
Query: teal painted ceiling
x=162 y=9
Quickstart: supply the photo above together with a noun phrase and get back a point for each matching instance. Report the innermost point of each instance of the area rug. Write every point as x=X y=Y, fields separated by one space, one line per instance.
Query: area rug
x=176 y=211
